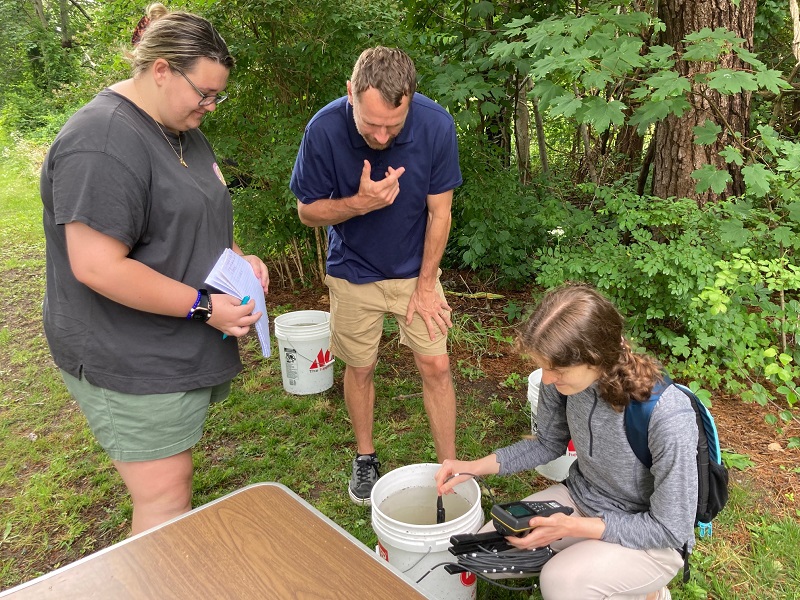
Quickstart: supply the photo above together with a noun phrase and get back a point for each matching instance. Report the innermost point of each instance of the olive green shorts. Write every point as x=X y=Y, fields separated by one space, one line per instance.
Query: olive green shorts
x=139 y=427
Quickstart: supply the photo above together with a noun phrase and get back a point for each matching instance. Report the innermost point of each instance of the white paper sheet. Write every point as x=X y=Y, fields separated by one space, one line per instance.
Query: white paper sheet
x=233 y=275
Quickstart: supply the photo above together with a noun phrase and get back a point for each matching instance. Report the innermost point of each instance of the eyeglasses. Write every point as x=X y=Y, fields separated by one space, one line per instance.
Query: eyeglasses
x=205 y=99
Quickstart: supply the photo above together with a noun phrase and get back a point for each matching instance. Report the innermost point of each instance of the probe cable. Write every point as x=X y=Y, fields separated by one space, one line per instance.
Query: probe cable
x=506 y=562
x=484 y=563
x=494 y=582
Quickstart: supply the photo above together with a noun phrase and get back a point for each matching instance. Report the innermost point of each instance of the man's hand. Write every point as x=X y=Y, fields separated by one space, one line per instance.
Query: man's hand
x=371 y=195
x=374 y=195
x=433 y=309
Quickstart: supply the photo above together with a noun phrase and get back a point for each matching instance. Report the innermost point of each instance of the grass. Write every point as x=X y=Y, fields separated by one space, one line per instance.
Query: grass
x=60 y=498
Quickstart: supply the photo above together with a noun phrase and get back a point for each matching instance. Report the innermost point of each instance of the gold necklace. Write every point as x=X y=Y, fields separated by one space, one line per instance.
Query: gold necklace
x=180 y=145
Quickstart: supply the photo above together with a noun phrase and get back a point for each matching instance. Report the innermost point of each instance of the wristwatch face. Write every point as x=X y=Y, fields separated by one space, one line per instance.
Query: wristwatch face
x=201 y=314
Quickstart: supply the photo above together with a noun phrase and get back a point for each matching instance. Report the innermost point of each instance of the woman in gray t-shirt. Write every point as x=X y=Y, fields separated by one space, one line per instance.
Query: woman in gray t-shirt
x=136 y=213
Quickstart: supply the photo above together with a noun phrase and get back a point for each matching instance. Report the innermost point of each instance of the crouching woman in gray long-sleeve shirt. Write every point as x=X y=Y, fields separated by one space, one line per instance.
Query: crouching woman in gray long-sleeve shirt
x=625 y=537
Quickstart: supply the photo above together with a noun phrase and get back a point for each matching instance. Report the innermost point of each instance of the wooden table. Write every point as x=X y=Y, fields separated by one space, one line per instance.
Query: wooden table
x=262 y=541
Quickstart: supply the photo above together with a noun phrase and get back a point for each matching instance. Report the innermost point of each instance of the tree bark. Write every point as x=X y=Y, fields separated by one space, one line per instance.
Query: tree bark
x=589 y=156
x=630 y=145
x=63 y=12
x=794 y=11
x=676 y=155
x=38 y=6
x=540 y=139
x=641 y=181
x=522 y=132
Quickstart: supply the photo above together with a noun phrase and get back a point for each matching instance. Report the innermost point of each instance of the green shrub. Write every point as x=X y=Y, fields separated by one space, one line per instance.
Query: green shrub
x=716 y=312
x=498 y=224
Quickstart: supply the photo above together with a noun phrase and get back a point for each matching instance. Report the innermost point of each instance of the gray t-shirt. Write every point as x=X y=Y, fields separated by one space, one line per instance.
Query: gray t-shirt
x=112 y=169
x=641 y=508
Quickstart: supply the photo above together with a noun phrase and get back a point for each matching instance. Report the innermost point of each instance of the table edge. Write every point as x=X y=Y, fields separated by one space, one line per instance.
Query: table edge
x=281 y=486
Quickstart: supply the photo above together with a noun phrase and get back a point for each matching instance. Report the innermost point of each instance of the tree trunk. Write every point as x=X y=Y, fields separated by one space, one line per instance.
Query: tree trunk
x=540 y=139
x=38 y=6
x=676 y=155
x=589 y=156
x=522 y=132
x=63 y=11
x=321 y=244
x=630 y=145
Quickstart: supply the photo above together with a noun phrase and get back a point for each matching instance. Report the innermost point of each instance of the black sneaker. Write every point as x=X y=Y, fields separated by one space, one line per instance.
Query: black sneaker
x=365 y=474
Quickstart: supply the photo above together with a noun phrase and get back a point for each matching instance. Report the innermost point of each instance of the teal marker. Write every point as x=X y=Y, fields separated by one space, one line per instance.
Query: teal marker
x=245 y=300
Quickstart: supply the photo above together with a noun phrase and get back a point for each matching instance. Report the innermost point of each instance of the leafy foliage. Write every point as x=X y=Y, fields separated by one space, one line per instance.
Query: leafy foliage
x=494 y=232
x=291 y=60
x=714 y=288
x=583 y=65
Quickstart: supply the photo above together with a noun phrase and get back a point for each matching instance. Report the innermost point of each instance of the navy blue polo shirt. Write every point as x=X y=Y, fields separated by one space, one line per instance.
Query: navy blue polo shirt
x=386 y=243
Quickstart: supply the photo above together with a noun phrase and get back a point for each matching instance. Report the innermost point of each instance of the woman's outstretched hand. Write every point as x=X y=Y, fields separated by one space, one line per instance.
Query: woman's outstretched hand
x=453 y=472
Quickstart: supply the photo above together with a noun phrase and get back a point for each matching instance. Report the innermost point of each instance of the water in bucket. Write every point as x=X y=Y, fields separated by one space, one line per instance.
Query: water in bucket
x=404 y=519
x=417 y=506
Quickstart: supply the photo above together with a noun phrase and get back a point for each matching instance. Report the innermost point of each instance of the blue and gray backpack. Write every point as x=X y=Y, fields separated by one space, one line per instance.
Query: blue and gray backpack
x=712 y=476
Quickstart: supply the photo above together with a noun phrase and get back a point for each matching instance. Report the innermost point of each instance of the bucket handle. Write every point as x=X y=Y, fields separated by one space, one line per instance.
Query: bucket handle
x=418 y=561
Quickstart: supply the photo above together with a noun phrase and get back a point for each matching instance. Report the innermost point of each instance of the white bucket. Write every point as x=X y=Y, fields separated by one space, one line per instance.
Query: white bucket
x=304 y=340
x=415 y=549
x=557 y=469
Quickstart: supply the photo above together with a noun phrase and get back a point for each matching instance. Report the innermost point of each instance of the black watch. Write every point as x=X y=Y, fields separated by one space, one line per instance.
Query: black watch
x=202 y=312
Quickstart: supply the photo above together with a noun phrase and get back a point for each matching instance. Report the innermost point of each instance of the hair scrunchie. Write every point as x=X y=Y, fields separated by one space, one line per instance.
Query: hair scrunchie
x=141 y=26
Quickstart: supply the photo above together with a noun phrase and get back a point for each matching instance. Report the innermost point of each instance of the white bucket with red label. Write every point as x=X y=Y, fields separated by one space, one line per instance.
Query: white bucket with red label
x=557 y=469
x=404 y=519
x=304 y=346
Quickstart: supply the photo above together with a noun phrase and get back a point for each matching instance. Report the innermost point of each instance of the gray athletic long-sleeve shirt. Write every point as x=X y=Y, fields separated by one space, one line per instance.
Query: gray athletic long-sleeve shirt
x=641 y=508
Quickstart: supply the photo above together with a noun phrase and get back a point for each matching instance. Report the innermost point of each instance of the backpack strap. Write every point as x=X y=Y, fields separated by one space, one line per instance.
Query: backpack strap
x=686 y=568
x=705 y=423
x=637 y=420
x=708 y=452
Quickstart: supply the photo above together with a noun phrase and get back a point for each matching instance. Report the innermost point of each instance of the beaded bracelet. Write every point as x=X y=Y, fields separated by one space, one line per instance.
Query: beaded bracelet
x=195 y=305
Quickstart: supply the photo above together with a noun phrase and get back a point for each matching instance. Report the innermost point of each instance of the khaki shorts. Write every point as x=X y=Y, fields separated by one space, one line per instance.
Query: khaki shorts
x=138 y=427
x=357 y=313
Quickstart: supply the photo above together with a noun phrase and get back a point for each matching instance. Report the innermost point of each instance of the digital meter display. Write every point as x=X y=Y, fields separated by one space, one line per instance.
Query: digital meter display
x=519 y=510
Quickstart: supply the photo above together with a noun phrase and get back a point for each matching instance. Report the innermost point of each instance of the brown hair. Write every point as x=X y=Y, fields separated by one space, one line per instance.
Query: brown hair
x=388 y=70
x=178 y=37
x=576 y=325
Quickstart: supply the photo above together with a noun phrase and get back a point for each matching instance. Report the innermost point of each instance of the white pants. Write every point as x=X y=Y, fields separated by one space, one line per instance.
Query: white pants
x=595 y=570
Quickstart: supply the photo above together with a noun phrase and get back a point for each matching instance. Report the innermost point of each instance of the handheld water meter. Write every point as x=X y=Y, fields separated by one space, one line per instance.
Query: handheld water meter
x=513 y=518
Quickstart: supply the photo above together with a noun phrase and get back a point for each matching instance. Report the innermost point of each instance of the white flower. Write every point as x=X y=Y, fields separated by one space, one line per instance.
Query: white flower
x=557 y=232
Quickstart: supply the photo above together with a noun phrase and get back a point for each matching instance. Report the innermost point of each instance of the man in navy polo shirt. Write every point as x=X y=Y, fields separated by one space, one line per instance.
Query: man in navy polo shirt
x=378 y=167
